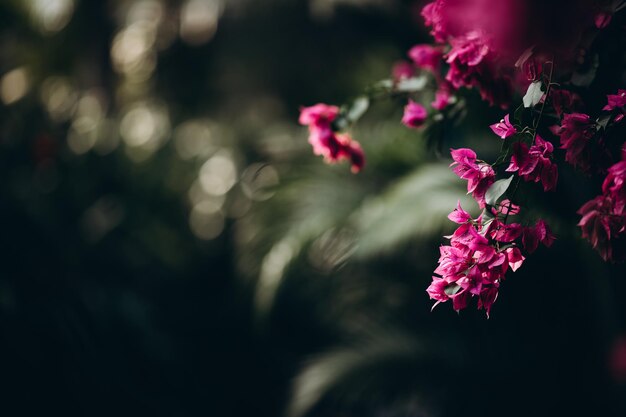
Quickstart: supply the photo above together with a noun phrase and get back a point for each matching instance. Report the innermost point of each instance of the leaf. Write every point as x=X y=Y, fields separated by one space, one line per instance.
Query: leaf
x=415 y=206
x=533 y=94
x=603 y=121
x=358 y=109
x=497 y=190
x=452 y=289
x=411 y=85
x=584 y=78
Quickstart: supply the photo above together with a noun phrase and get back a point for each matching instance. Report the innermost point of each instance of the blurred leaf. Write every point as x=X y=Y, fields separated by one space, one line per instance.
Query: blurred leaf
x=358 y=109
x=356 y=372
x=416 y=205
x=411 y=85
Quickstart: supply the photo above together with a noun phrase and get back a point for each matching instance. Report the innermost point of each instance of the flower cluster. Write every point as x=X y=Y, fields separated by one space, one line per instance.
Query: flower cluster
x=535 y=163
x=324 y=139
x=479 y=175
x=603 y=220
x=576 y=132
x=480 y=253
x=502 y=49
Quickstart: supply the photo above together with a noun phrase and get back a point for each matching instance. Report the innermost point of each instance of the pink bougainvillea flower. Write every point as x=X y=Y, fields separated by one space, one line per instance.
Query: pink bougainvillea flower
x=319 y=115
x=506 y=207
x=504 y=128
x=325 y=141
x=434 y=18
x=532 y=236
x=459 y=215
x=602 y=19
x=603 y=228
x=534 y=163
x=603 y=220
x=350 y=150
x=427 y=57
x=414 y=115
x=576 y=132
x=442 y=99
x=319 y=119
x=564 y=101
x=473 y=265
x=615 y=101
x=402 y=70
x=473 y=66
x=479 y=176
x=468 y=50
x=506 y=233
x=614 y=185
x=515 y=258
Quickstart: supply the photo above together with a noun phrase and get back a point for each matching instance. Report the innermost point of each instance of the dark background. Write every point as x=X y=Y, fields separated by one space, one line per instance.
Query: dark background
x=122 y=292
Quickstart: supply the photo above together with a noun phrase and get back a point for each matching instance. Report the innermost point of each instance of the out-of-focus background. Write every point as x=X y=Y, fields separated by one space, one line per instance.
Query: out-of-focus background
x=170 y=247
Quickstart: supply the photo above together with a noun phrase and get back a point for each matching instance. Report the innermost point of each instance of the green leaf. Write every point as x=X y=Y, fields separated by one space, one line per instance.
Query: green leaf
x=522 y=116
x=358 y=109
x=497 y=190
x=452 y=289
x=411 y=85
x=603 y=121
x=533 y=94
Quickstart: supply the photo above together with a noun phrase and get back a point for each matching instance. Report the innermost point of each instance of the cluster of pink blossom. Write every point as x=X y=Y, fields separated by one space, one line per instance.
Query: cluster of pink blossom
x=479 y=175
x=603 y=220
x=325 y=140
x=535 y=163
x=500 y=48
x=482 y=250
x=480 y=253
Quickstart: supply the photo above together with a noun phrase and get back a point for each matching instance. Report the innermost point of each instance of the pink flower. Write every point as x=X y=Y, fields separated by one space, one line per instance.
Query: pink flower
x=479 y=176
x=427 y=57
x=433 y=17
x=504 y=128
x=603 y=220
x=459 y=215
x=602 y=19
x=506 y=233
x=576 y=132
x=534 y=235
x=350 y=150
x=472 y=266
x=506 y=207
x=472 y=65
x=319 y=115
x=614 y=185
x=402 y=70
x=468 y=50
x=615 y=101
x=319 y=118
x=442 y=100
x=603 y=228
x=326 y=142
x=515 y=258
x=414 y=115
x=534 y=164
